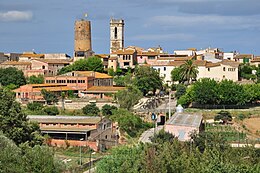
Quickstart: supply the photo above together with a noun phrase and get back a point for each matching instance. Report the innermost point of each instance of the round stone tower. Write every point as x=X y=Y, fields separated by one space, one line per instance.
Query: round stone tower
x=82 y=40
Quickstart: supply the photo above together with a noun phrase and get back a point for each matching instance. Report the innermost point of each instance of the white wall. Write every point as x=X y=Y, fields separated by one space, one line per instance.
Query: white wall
x=218 y=73
x=184 y=52
x=229 y=56
x=165 y=72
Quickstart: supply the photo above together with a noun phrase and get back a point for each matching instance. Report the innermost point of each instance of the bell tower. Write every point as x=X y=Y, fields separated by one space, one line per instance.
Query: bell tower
x=116 y=34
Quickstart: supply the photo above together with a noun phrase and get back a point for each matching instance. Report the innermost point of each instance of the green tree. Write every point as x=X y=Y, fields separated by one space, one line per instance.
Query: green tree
x=176 y=75
x=188 y=71
x=125 y=80
x=50 y=97
x=52 y=110
x=14 y=123
x=245 y=71
x=205 y=91
x=230 y=93
x=95 y=63
x=129 y=97
x=180 y=90
x=27 y=159
x=107 y=110
x=147 y=79
x=130 y=123
x=34 y=106
x=12 y=75
x=225 y=116
x=35 y=79
x=91 y=110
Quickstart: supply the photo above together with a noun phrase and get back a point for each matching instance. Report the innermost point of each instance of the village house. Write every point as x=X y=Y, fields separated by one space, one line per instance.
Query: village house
x=146 y=57
x=183 y=124
x=96 y=132
x=24 y=66
x=49 y=67
x=126 y=58
x=244 y=58
x=104 y=58
x=218 y=71
x=88 y=84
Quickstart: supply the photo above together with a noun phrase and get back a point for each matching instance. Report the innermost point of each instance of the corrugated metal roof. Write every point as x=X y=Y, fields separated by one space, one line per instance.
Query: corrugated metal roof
x=64 y=119
x=185 y=119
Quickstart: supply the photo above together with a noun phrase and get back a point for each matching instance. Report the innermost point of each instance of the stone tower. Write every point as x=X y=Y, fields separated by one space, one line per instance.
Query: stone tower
x=116 y=34
x=82 y=39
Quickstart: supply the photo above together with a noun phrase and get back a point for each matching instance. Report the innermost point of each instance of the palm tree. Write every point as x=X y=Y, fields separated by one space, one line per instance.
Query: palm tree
x=188 y=71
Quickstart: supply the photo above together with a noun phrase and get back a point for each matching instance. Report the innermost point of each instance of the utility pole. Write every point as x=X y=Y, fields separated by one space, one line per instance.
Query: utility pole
x=169 y=103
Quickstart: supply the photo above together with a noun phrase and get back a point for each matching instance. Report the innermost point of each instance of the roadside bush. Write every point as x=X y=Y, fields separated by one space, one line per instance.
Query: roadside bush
x=52 y=110
x=107 y=110
x=91 y=110
x=34 y=106
x=180 y=90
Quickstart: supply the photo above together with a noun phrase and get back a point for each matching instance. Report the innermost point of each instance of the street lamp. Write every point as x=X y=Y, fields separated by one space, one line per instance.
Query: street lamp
x=80 y=157
x=154 y=118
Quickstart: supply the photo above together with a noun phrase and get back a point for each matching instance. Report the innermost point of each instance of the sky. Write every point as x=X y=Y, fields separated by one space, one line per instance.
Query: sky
x=47 y=26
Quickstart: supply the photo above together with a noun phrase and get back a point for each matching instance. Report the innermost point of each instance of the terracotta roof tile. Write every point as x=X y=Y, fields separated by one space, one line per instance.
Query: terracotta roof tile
x=242 y=56
x=54 y=61
x=16 y=63
x=104 y=89
x=32 y=55
x=124 y=52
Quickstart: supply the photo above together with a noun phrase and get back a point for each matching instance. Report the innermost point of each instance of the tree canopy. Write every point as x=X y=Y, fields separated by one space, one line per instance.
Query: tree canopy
x=26 y=159
x=14 y=123
x=130 y=123
x=176 y=75
x=93 y=63
x=50 y=97
x=107 y=110
x=188 y=71
x=129 y=97
x=225 y=92
x=12 y=76
x=197 y=156
x=91 y=110
x=35 y=79
x=147 y=79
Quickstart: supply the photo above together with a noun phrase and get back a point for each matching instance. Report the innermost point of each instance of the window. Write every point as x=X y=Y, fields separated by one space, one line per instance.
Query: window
x=115 y=32
x=224 y=68
x=208 y=69
x=151 y=57
x=164 y=68
x=231 y=69
x=43 y=67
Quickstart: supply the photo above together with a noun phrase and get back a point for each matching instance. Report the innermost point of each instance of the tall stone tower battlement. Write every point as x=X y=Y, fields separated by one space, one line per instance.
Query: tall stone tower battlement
x=116 y=34
x=82 y=38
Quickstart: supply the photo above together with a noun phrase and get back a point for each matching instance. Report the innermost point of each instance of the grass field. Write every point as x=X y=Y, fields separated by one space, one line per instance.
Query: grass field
x=253 y=125
x=227 y=131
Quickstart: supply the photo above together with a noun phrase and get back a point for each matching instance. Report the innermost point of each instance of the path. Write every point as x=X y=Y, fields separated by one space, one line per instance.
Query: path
x=145 y=137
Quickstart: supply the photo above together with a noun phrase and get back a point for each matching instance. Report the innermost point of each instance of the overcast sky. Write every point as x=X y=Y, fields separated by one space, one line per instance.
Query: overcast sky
x=46 y=26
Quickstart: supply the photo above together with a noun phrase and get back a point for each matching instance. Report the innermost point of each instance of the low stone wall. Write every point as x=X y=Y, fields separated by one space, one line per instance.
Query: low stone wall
x=65 y=143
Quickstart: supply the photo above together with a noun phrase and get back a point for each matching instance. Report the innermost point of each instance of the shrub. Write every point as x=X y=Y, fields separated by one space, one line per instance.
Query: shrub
x=52 y=110
x=91 y=110
x=107 y=110
x=34 y=106
x=180 y=90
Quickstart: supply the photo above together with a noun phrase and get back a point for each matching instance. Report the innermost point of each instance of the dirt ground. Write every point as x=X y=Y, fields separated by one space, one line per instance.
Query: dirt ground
x=252 y=124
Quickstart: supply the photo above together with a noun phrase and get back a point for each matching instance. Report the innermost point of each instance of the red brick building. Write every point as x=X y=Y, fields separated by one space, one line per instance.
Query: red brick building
x=95 y=132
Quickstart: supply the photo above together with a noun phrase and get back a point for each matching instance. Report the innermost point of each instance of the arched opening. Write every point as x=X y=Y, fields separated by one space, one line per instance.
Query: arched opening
x=115 y=32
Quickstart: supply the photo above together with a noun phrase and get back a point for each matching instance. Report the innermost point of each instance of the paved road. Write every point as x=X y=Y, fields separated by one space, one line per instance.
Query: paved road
x=145 y=137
